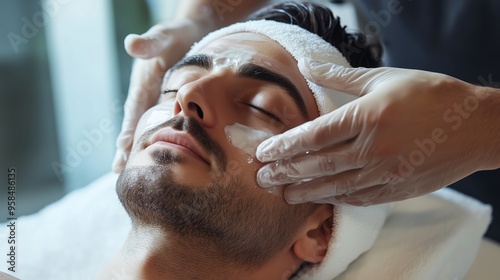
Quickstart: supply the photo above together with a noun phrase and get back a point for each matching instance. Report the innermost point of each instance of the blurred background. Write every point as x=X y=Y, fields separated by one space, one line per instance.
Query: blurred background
x=64 y=76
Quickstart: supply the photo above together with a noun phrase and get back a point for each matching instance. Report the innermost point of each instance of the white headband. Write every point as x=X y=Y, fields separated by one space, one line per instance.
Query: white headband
x=300 y=43
x=354 y=228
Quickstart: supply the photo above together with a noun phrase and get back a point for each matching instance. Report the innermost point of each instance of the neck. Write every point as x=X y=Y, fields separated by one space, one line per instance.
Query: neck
x=152 y=254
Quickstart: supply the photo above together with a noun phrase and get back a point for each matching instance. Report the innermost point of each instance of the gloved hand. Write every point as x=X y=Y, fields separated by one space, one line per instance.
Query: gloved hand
x=410 y=133
x=156 y=51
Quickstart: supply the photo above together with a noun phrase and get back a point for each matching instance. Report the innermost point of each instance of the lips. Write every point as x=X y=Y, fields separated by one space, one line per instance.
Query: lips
x=182 y=139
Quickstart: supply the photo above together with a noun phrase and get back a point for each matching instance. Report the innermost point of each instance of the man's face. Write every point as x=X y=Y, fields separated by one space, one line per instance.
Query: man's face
x=230 y=92
x=188 y=171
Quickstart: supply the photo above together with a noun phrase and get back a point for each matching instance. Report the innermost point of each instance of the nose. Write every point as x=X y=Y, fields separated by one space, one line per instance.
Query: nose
x=198 y=99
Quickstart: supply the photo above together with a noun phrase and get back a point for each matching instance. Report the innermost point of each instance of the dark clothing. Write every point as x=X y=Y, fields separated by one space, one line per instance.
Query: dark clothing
x=460 y=38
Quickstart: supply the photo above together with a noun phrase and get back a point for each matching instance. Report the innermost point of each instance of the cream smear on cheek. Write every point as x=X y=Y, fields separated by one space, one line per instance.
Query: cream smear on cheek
x=161 y=113
x=247 y=139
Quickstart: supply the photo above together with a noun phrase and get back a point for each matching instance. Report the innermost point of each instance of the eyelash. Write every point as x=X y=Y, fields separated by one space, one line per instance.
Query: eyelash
x=265 y=112
x=170 y=90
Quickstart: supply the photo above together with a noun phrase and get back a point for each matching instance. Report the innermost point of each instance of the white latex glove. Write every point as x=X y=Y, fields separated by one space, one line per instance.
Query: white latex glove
x=410 y=133
x=156 y=51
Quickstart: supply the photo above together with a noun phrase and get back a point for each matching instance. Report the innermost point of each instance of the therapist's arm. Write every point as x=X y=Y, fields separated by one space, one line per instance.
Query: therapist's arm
x=489 y=120
x=410 y=133
x=161 y=47
x=202 y=16
x=217 y=14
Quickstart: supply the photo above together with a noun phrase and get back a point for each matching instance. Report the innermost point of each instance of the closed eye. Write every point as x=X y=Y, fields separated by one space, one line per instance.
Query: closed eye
x=267 y=113
x=170 y=90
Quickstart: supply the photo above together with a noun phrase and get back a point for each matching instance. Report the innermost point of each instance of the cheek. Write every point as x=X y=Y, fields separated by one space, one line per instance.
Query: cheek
x=154 y=117
x=238 y=166
x=244 y=140
x=243 y=167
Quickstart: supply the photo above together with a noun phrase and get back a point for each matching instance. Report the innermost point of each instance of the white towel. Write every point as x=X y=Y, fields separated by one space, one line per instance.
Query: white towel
x=300 y=43
x=355 y=229
x=436 y=237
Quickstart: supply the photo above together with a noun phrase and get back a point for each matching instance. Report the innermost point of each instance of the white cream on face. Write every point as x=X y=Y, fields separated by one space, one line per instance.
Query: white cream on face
x=245 y=138
x=249 y=37
x=232 y=55
x=232 y=58
x=161 y=113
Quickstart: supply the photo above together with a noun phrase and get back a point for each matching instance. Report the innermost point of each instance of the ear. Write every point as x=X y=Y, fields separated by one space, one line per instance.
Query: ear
x=312 y=242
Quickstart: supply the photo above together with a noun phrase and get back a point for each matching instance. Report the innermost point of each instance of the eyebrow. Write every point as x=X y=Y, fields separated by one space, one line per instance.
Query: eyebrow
x=248 y=70
x=199 y=60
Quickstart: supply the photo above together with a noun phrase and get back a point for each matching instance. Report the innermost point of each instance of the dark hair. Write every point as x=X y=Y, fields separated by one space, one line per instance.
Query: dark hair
x=319 y=19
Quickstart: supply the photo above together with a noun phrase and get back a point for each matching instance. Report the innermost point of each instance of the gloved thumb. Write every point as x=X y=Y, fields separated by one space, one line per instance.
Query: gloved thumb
x=149 y=44
x=355 y=81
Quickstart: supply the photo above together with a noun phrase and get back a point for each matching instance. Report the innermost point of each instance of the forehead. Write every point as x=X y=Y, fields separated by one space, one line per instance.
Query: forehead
x=248 y=42
x=246 y=47
x=249 y=47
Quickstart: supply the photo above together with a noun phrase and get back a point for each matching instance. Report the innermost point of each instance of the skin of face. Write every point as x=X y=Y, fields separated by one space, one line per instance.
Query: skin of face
x=225 y=98
x=198 y=105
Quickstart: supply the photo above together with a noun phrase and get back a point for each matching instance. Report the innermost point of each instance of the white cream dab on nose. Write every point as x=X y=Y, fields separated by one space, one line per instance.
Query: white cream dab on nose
x=245 y=138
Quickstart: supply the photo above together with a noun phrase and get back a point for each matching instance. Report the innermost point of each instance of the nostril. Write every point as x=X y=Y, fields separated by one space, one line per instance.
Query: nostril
x=200 y=112
x=194 y=106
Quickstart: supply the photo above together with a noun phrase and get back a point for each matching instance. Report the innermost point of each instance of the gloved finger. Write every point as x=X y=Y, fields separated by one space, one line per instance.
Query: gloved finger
x=124 y=143
x=320 y=188
x=325 y=131
x=121 y=157
x=344 y=183
x=125 y=139
x=145 y=86
x=326 y=162
x=148 y=45
x=329 y=200
x=144 y=93
x=354 y=198
x=372 y=196
x=355 y=81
